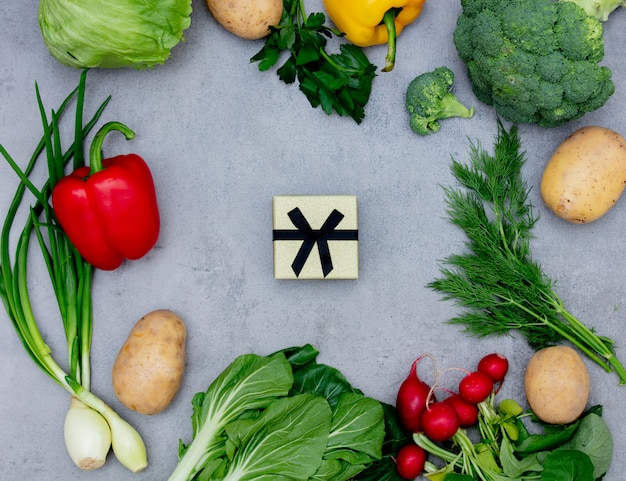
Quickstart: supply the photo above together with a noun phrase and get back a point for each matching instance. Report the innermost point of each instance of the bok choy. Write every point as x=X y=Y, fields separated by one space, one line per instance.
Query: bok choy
x=91 y=427
x=281 y=417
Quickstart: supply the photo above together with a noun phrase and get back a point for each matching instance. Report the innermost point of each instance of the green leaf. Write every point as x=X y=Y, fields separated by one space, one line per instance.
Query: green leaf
x=593 y=438
x=395 y=434
x=315 y=20
x=553 y=437
x=287 y=73
x=213 y=469
x=286 y=38
x=567 y=465
x=324 y=381
x=383 y=470
x=511 y=429
x=267 y=57
x=310 y=88
x=329 y=101
x=286 y=442
x=352 y=58
x=331 y=83
x=307 y=54
x=336 y=470
x=509 y=408
x=357 y=425
x=196 y=417
x=250 y=382
x=457 y=477
x=395 y=437
x=486 y=458
x=513 y=467
x=300 y=356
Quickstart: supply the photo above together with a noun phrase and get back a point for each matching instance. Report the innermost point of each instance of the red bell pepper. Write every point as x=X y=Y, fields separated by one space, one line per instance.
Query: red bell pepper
x=109 y=209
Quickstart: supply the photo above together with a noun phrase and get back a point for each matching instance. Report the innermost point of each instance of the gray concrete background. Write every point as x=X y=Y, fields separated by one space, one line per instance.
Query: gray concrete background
x=222 y=138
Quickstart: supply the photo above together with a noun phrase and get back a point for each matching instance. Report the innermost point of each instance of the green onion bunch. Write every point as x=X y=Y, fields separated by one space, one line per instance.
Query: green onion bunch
x=91 y=427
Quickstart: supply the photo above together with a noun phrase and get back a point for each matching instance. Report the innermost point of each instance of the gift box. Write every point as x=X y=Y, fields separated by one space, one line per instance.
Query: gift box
x=315 y=237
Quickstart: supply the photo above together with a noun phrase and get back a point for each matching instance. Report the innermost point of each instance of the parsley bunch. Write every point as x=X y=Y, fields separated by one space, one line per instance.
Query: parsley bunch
x=496 y=279
x=341 y=82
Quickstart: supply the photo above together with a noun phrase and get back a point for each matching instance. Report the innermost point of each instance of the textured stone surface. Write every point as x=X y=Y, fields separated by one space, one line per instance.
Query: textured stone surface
x=222 y=139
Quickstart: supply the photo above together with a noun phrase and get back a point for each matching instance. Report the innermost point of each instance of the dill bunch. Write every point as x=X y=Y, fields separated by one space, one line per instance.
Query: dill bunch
x=496 y=281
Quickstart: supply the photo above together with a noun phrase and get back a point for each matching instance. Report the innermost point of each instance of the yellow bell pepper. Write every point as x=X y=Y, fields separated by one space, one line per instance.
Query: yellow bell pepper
x=374 y=22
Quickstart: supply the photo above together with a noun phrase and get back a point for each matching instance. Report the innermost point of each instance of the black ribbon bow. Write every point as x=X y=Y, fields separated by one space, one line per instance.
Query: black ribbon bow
x=310 y=237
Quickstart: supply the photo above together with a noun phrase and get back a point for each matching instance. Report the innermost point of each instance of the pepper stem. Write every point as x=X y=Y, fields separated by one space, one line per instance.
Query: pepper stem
x=389 y=19
x=95 y=150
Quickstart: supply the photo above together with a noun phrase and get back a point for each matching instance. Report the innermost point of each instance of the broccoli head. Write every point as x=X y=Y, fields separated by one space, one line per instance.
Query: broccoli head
x=536 y=61
x=429 y=99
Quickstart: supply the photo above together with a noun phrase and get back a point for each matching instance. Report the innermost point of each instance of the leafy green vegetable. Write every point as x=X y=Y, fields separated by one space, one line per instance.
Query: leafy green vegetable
x=265 y=418
x=593 y=438
x=496 y=280
x=358 y=424
x=337 y=82
x=395 y=437
x=297 y=428
x=580 y=451
x=250 y=383
x=113 y=33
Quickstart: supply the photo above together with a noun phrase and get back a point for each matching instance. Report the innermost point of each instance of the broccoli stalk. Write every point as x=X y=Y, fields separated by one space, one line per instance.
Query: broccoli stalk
x=429 y=99
x=601 y=9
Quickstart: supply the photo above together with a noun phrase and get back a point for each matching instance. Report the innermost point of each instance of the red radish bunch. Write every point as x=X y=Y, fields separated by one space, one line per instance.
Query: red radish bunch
x=418 y=409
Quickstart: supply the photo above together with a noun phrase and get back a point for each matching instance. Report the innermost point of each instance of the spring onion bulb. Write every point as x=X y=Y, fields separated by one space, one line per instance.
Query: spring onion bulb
x=128 y=445
x=87 y=436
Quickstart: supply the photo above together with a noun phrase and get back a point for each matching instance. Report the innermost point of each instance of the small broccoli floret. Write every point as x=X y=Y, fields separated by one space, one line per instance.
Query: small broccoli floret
x=536 y=61
x=429 y=99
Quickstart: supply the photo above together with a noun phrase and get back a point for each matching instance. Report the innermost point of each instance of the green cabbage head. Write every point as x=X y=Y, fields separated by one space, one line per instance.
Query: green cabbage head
x=113 y=33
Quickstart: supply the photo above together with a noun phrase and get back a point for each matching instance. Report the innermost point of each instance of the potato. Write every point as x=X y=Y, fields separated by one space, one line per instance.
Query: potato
x=247 y=19
x=149 y=367
x=557 y=384
x=586 y=175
